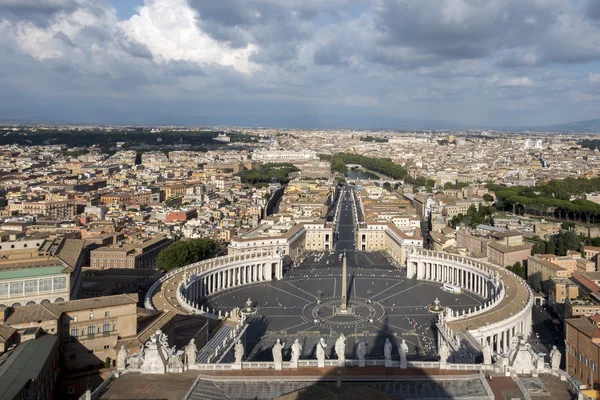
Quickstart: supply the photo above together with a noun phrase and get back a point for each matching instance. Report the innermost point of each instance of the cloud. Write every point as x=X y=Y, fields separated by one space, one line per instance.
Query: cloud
x=36 y=11
x=454 y=59
x=515 y=81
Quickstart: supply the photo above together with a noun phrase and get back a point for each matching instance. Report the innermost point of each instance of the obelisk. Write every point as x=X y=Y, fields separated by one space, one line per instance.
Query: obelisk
x=344 y=284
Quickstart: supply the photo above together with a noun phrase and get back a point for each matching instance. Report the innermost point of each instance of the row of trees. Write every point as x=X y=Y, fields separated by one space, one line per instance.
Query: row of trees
x=370 y=138
x=268 y=172
x=185 y=252
x=384 y=166
x=549 y=200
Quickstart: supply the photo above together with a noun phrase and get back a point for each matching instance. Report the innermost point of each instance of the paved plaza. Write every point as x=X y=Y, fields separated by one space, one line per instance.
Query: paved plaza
x=302 y=305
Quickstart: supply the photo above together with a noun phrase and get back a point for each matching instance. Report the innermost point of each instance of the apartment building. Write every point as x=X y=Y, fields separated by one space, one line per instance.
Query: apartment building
x=541 y=267
x=583 y=349
x=51 y=209
x=134 y=255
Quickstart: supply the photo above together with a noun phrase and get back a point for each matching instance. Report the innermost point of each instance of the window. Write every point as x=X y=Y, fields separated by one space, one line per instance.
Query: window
x=74 y=318
x=75 y=331
x=106 y=314
x=106 y=327
x=31 y=286
x=3 y=289
x=60 y=282
x=16 y=288
x=91 y=316
x=106 y=347
x=45 y=284
x=71 y=389
x=91 y=329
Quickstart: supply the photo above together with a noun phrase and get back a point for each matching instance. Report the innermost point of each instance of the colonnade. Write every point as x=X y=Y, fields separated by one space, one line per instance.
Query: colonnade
x=483 y=279
x=232 y=276
x=464 y=276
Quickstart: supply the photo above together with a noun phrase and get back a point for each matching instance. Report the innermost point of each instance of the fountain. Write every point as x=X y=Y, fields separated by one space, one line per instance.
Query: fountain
x=436 y=307
x=249 y=309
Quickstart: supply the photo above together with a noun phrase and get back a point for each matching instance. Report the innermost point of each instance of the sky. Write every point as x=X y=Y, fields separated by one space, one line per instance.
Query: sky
x=301 y=63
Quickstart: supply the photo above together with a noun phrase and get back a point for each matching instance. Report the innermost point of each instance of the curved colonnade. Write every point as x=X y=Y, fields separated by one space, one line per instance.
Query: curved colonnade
x=509 y=300
x=181 y=289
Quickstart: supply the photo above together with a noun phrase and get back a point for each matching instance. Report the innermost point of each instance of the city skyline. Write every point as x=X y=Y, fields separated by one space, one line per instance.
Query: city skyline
x=384 y=64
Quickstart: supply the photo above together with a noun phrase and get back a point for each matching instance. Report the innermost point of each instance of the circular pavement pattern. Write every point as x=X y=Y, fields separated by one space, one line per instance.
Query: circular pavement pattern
x=386 y=305
x=326 y=312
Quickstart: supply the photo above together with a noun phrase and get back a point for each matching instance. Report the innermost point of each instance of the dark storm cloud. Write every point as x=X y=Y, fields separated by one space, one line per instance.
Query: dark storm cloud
x=277 y=28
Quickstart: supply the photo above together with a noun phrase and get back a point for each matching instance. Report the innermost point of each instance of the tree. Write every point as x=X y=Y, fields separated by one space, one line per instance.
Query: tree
x=517 y=269
x=488 y=197
x=185 y=252
x=562 y=242
x=107 y=362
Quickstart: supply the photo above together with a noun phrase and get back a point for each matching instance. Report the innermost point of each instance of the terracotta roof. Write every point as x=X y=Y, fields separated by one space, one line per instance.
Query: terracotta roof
x=34 y=312
x=586 y=325
x=509 y=249
x=98 y=302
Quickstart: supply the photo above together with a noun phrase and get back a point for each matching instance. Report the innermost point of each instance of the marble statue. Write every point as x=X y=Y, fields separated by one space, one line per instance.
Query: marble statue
x=191 y=351
x=321 y=346
x=155 y=355
x=340 y=350
x=122 y=359
x=443 y=351
x=277 y=357
x=296 y=351
x=555 y=357
x=487 y=354
x=239 y=351
x=387 y=352
x=361 y=352
x=175 y=364
x=403 y=351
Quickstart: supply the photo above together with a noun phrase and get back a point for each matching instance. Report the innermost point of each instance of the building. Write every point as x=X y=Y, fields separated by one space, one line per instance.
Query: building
x=541 y=267
x=135 y=255
x=36 y=270
x=284 y=156
x=593 y=197
x=29 y=371
x=591 y=253
x=88 y=329
x=181 y=215
x=508 y=249
x=51 y=209
x=583 y=349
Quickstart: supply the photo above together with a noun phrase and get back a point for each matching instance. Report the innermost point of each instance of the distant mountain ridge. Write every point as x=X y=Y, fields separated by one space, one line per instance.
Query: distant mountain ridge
x=586 y=126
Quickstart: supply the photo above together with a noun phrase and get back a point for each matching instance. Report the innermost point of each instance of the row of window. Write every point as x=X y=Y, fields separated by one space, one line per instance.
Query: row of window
x=33 y=286
x=92 y=329
x=582 y=358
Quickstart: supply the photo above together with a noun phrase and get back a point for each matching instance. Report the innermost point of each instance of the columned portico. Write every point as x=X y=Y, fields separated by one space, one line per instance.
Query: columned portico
x=503 y=315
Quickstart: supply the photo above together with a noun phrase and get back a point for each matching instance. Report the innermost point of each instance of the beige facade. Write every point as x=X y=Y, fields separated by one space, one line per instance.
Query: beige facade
x=310 y=236
x=88 y=329
x=136 y=255
x=52 y=209
x=506 y=256
x=583 y=349
x=387 y=237
x=541 y=267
